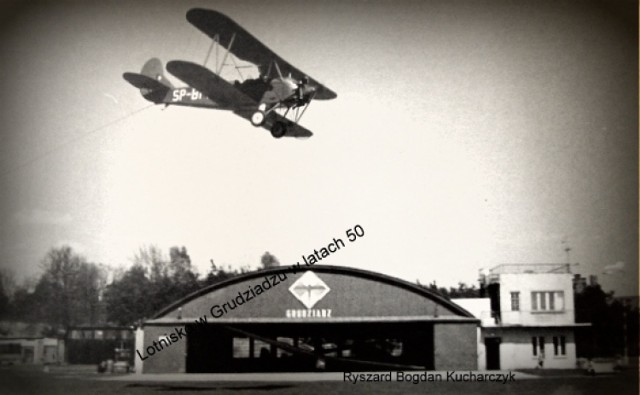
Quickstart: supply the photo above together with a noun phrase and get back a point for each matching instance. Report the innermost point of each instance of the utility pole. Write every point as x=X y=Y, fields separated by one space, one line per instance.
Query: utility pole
x=567 y=249
x=625 y=353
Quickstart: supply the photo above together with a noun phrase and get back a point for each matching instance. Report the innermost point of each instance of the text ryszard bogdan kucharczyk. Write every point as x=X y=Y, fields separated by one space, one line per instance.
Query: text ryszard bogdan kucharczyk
x=426 y=377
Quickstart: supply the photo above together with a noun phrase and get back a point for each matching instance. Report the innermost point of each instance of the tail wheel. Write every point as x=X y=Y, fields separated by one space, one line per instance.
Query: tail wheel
x=278 y=129
x=257 y=118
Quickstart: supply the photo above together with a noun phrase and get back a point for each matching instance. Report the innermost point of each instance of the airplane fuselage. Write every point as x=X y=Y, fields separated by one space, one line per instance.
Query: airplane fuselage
x=188 y=96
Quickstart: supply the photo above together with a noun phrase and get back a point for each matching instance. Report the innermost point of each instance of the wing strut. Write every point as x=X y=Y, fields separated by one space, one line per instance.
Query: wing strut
x=298 y=117
x=220 y=65
x=237 y=67
x=213 y=42
x=278 y=69
x=224 y=59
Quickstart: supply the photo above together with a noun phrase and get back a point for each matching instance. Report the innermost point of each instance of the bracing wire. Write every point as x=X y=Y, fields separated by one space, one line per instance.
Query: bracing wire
x=71 y=141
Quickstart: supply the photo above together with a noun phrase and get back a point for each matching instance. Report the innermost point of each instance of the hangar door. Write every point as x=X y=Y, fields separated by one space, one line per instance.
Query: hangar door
x=289 y=347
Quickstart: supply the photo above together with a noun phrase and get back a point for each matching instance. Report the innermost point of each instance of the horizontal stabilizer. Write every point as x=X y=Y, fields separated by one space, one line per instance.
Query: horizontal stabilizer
x=151 y=81
x=142 y=81
x=150 y=88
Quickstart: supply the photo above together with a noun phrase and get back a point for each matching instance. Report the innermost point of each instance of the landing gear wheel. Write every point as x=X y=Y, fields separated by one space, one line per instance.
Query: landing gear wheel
x=257 y=118
x=278 y=129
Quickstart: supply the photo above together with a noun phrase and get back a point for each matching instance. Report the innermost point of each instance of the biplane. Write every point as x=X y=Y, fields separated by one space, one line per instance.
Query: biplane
x=275 y=100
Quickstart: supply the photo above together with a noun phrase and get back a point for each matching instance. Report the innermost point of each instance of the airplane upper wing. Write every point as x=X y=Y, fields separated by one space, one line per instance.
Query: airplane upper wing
x=246 y=47
x=228 y=96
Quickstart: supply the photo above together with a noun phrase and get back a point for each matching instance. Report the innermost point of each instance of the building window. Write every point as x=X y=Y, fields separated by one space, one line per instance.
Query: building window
x=261 y=349
x=281 y=353
x=559 y=345
x=241 y=347
x=534 y=301
x=10 y=348
x=538 y=345
x=547 y=301
x=515 y=301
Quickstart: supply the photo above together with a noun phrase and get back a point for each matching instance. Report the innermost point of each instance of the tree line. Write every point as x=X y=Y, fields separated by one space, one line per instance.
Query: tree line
x=71 y=291
x=462 y=291
x=612 y=322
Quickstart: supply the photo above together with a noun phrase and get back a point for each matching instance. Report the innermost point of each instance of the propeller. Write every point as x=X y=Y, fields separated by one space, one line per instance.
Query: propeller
x=304 y=88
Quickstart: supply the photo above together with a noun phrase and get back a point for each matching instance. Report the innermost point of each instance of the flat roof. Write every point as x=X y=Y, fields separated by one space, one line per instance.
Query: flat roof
x=531 y=268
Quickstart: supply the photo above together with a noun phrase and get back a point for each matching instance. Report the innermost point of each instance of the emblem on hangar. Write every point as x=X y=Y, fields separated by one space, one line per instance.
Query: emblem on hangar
x=309 y=289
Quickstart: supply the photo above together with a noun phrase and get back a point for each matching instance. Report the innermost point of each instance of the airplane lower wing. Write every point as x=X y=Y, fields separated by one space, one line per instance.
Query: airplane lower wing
x=293 y=129
x=229 y=97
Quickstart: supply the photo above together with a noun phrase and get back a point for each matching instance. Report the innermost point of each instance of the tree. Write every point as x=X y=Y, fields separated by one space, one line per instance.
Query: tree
x=463 y=290
x=269 y=261
x=4 y=301
x=23 y=304
x=7 y=289
x=92 y=281
x=180 y=270
x=152 y=284
x=150 y=258
x=8 y=281
x=217 y=275
x=127 y=299
x=605 y=336
x=68 y=291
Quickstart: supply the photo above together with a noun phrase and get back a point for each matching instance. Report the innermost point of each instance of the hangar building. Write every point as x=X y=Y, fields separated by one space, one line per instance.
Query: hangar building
x=314 y=318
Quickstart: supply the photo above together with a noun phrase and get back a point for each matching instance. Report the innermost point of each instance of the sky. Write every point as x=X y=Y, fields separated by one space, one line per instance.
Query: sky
x=465 y=134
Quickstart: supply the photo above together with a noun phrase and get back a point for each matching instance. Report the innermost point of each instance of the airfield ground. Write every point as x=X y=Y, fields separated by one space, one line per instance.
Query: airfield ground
x=83 y=380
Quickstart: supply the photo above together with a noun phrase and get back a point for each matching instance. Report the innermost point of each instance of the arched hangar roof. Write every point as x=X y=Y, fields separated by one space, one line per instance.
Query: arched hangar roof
x=319 y=293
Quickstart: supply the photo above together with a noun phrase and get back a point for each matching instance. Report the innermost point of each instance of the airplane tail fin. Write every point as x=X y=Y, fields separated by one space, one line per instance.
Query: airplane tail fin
x=151 y=81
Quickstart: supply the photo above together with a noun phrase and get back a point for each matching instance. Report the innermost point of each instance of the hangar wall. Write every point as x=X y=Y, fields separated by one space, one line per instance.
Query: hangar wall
x=169 y=359
x=323 y=295
x=455 y=346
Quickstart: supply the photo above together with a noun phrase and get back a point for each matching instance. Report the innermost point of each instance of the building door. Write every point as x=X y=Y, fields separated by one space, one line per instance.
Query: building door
x=27 y=354
x=492 y=348
x=49 y=354
x=209 y=349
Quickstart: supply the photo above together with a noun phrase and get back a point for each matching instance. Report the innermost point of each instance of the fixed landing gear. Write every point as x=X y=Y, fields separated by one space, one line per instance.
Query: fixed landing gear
x=257 y=118
x=278 y=129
